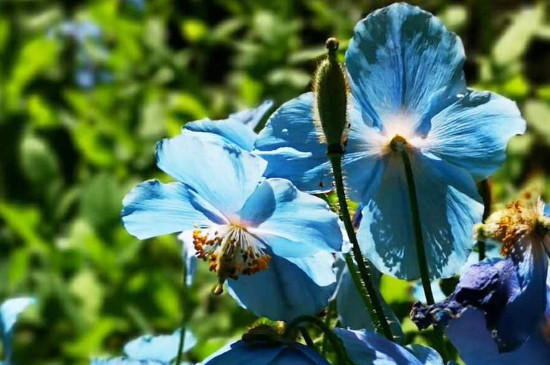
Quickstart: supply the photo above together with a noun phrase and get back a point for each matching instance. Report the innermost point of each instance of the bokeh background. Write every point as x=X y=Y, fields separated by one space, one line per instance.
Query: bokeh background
x=88 y=87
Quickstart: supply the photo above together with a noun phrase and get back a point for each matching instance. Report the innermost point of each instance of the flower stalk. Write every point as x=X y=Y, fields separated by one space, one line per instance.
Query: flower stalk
x=185 y=314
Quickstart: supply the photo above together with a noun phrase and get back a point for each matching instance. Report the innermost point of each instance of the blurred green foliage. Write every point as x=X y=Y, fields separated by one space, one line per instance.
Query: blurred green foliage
x=68 y=154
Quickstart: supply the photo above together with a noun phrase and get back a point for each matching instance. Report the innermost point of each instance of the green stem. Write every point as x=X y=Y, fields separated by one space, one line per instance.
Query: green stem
x=185 y=314
x=341 y=353
x=484 y=189
x=417 y=224
x=307 y=337
x=331 y=309
x=364 y=282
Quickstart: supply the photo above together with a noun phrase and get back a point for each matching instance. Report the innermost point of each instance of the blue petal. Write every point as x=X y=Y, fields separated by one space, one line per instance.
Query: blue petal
x=9 y=311
x=449 y=207
x=189 y=256
x=289 y=288
x=221 y=173
x=230 y=131
x=426 y=355
x=351 y=309
x=153 y=209
x=162 y=348
x=473 y=132
x=292 y=223
x=403 y=60
x=239 y=353
x=477 y=347
x=252 y=117
x=368 y=348
x=291 y=144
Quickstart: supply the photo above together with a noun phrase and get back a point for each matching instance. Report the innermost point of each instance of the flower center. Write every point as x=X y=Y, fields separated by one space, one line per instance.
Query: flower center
x=231 y=251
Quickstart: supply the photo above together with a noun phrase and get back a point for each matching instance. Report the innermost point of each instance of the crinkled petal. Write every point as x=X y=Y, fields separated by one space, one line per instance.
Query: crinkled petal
x=476 y=346
x=351 y=308
x=368 y=348
x=240 y=352
x=449 y=207
x=9 y=311
x=291 y=144
x=473 y=132
x=163 y=348
x=292 y=223
x=402 y=59
x=289 y=288
x=221 y=173
x=230 y=131
x=153 y=209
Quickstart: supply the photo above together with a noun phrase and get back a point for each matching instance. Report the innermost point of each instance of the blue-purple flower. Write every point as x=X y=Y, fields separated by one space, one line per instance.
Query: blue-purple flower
x=9 y=311
x=407 y=84
x=260 y=352
x=239 y=219
x=368 y=348
x=510 y=292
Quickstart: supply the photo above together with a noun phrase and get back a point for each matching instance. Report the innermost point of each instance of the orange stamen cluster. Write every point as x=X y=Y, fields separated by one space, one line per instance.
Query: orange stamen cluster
x=230 y=251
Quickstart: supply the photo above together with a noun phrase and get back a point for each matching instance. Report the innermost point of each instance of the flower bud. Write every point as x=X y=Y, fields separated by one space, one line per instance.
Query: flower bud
x=331 y=99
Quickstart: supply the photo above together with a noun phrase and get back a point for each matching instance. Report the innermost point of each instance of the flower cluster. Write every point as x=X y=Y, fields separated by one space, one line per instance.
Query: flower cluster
x=411 y=143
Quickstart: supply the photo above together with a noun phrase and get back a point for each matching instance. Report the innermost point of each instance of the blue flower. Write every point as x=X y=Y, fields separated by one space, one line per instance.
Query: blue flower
x=9 y=311
x=368 y=348
x=510 y=292
x=238 y=218
x=151 y=350
x=258 y=353
x=406 y=81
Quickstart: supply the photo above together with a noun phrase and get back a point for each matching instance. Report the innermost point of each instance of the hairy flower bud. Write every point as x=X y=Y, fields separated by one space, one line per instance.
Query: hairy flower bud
x=331 y=99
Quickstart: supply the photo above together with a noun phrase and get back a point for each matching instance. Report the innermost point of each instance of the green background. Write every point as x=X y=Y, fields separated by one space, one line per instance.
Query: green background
x=68 y=155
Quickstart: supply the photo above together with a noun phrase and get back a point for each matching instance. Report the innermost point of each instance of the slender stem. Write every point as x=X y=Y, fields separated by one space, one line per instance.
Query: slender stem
x=307 y=337
x=341 y=353
x=484 y=188
x=417 y=224
x=185 y=314
x=331 y=308
x=371 y=299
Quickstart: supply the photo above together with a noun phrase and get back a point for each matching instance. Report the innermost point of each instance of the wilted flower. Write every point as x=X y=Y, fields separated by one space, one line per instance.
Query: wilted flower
x=238 y=218
x=511 y=292
x=408 y=94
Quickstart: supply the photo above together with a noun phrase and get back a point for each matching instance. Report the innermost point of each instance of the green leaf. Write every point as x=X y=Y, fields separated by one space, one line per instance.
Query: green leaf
x=38 y=161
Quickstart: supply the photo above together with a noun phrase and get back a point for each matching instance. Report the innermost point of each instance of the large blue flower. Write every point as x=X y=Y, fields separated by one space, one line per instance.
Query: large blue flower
x=368 y=348
x=510 y=292
x=9 y=311
x=406 y=79
x=258 y=353
x=238 y=218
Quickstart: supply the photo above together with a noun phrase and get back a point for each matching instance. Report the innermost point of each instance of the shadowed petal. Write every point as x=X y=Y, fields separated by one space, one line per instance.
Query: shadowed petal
x=230 y=131
x=221 y=173
x=153 y=209
x=449 y=207
x=292 y=223
x=252 y=117
x=289 y=288
x=477 y=347
x=291 y=144
x=368 y=348
x=402 y=59
x=239 y=353
x=473 y=132
x=189 y=256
